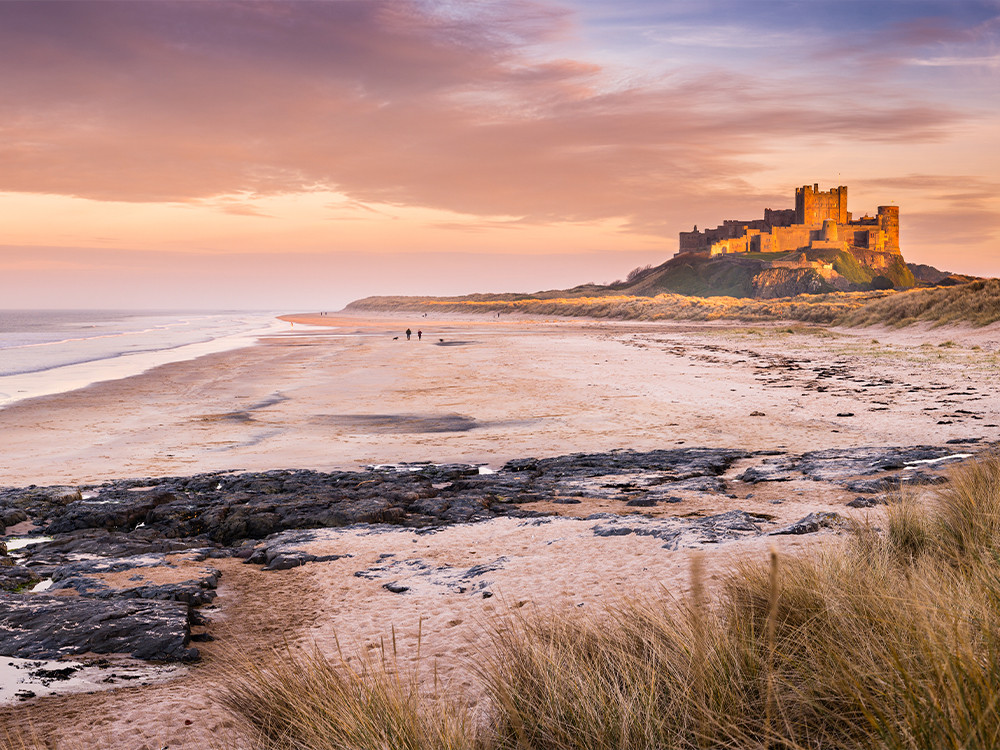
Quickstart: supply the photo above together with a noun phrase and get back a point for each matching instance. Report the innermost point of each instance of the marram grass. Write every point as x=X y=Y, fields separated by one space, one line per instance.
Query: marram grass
x=976 y=303
x=888 y=639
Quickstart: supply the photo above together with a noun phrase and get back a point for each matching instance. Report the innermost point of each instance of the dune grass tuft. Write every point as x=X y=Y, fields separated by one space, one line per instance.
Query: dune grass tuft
x=890 y=640
x=976 y=303
x=815 y=308
x=299 y=700
x=886 y=638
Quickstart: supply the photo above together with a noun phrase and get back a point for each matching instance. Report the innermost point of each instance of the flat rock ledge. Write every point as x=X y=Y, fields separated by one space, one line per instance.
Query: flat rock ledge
x=49 y=627
x=265 y=519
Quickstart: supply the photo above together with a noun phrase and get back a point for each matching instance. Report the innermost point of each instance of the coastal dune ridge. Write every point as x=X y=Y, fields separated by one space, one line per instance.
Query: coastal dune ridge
x=373 y=489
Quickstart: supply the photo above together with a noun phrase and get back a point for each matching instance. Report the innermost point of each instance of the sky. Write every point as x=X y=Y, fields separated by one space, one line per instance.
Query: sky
x=297 y=155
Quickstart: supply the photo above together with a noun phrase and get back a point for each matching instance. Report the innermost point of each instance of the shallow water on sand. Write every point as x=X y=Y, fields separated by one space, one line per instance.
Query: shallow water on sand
x=51 y=351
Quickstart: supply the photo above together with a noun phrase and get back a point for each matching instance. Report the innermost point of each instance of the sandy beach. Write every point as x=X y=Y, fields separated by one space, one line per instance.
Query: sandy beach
x=337 y=392
x=484 y=391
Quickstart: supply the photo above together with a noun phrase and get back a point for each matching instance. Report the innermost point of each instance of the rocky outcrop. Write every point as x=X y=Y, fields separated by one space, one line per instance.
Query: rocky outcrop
x=268 y=518
x=771 y=283
x=48 y=627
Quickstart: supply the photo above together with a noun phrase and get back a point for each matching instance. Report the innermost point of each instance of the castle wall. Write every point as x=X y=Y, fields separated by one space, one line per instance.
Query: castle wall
x=795 y=237
x=784 y=217
x=788 y=230
x=869 y=237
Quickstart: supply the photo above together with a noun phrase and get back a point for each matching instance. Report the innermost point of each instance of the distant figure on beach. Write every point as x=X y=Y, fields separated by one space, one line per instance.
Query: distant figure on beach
x=408 y=332
x=420 y=335
x=395 y=338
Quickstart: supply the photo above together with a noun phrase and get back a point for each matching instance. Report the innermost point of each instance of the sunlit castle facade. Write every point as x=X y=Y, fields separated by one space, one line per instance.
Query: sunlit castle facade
x=820 y=220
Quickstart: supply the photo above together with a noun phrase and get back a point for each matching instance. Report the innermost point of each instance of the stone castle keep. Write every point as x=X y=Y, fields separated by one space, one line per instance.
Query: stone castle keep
x=819 y=221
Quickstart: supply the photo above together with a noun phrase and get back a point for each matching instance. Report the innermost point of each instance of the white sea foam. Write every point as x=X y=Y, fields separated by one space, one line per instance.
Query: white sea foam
x=47 y=352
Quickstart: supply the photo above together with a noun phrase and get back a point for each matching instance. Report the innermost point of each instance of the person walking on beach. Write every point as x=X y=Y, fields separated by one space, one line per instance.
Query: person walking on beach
x=408 y=332
x=420 y=335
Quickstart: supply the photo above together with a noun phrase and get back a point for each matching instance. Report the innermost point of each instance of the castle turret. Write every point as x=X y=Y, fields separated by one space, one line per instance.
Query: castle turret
x=888 y=222
x=812 y=206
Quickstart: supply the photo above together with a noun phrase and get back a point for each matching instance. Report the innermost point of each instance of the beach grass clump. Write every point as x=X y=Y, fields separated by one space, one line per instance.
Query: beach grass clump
x=890 y=639
x=297 y=700
x=814 y=308
x=886 y=637
x=977 y=302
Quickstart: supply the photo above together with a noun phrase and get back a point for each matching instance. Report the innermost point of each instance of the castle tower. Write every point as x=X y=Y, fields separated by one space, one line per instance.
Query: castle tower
x=829 y=230
x=888 y=222
x=812 y=206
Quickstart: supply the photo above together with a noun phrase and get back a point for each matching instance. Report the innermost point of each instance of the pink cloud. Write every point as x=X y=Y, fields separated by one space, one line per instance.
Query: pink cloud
x=387 y=101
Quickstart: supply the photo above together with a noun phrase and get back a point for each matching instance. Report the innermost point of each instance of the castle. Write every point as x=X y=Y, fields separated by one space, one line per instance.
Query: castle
x=819 y=221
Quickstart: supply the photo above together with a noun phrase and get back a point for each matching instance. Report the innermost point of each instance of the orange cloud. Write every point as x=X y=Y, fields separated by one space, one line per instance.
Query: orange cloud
x=388 y=101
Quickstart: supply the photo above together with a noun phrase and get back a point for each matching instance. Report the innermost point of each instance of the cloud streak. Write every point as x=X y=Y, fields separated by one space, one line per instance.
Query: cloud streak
x=390 y=101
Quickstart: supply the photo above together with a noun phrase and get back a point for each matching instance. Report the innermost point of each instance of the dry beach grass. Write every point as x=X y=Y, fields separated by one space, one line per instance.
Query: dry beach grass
x=977 y=303
x=891 y=641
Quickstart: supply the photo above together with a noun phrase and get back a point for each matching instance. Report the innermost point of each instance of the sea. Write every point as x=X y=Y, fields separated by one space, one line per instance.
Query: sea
x=43 y=352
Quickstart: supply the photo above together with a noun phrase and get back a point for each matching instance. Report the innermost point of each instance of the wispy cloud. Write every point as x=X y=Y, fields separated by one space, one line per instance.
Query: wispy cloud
x=990 y=61
x=451 y=106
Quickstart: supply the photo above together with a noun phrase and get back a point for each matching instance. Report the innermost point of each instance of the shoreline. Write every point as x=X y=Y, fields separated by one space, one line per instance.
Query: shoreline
x=63 y=378
x=341 y=393
x=786 y=402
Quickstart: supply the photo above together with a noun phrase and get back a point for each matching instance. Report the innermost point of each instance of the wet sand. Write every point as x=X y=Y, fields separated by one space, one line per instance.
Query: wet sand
x=347 y=395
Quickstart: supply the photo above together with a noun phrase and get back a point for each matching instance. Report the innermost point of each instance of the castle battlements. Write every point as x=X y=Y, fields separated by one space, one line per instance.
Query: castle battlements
x=819 y=221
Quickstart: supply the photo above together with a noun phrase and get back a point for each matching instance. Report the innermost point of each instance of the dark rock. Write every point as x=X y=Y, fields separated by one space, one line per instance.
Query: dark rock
x=613 y=531
x=725 y=524
x=48 y=676
x=810 y=524
x=922 y=477
x=836 y=464
x=283 y=552
x=11 y=517
x=288 y=560
x=17 y=578
x=642 y=502
x=103 y=543
x=774 y=469
x=873 y=486
x=682 y=463
x=865 y=502
x=733 y=524
x=963 y=441
x=48 y=627
x=219 y=511
x=395 y=588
